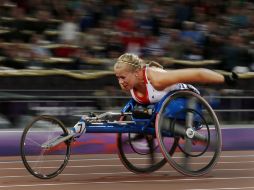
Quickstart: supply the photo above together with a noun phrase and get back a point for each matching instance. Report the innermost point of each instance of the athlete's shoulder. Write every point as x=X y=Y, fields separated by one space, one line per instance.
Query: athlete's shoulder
x=155 y=69
x=154 y=72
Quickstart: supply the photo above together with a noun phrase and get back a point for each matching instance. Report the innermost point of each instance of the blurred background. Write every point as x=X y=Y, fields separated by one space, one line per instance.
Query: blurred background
x=56 y=56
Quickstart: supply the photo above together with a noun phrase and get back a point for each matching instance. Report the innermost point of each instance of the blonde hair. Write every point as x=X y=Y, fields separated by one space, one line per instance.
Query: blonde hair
x=129 y=59
x=134 y=62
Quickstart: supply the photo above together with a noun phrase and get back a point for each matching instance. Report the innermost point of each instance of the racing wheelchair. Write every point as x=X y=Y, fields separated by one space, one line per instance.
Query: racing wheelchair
x=182 y=126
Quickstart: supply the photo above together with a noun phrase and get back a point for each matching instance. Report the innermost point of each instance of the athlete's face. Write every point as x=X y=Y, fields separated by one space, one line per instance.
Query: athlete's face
x=126 y=78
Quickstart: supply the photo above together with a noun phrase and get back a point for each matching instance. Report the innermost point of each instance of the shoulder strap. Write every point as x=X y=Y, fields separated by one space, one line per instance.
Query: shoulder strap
x=145 y=73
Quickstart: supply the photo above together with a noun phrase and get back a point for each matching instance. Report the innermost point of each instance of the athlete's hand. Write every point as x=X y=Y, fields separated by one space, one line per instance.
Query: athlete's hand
x=231 y=79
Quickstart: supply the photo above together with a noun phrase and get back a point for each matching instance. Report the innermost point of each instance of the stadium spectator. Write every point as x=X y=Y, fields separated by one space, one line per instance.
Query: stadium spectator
x=153 y=48
x=235 y=53
x=68 y=30
x=176 y=47
x=207 y=23
x=38 y=53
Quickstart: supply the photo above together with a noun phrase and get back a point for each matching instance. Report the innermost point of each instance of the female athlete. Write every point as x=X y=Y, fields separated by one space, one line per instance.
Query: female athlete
x=149 y=82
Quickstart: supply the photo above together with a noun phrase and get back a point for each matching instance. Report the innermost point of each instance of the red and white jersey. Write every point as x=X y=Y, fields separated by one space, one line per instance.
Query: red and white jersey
x=152 y=95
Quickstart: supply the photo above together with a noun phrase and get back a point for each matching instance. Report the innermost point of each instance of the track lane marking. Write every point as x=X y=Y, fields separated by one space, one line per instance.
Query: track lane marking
x=124 y=181
x=115 y=173
x=120 y=165
x=225 y=188
x=134 y=158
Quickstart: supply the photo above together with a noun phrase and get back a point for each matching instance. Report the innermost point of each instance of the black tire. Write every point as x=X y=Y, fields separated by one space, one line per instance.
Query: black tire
x=187 y=117
x=146 y=160
x=44 y=163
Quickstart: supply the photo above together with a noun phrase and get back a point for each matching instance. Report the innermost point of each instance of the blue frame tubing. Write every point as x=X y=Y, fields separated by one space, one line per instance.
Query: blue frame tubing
x=139 y=125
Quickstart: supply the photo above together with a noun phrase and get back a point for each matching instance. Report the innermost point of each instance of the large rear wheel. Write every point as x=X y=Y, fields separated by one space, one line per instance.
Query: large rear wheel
x=186 y=117
x=139 y=153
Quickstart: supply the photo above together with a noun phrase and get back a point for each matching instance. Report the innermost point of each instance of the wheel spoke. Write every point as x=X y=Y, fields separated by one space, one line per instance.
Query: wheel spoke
x=189 y=114
x=149 y=159
x=33 y=141
x=187 y=151
x=35 y=157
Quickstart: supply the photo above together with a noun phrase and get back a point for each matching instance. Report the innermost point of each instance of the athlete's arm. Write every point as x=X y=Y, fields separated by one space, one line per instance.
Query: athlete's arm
x=160 y=79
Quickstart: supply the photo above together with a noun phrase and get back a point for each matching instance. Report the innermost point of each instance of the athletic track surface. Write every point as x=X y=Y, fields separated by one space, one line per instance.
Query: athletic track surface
x=235 y=170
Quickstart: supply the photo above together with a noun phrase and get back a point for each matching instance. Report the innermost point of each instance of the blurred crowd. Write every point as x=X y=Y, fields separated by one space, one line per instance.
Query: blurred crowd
x=36 y=32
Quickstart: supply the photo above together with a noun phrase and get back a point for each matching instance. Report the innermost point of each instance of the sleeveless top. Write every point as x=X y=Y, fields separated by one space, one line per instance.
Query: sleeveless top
x=152 y=95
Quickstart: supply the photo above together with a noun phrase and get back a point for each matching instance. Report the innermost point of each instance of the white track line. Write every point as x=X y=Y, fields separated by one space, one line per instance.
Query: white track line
x=133 y=158
x=225 y=188
x=120 y=173
x=126 y=181
x=120 y=165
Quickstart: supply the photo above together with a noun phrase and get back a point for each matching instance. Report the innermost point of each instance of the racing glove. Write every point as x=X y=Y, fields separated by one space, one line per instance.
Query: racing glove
x=231 y=79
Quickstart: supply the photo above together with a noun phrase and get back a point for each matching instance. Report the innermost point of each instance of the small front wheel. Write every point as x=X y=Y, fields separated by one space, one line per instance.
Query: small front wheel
x=43 y=161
